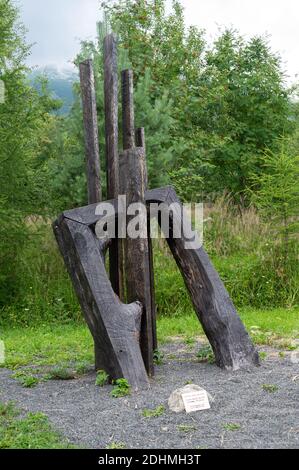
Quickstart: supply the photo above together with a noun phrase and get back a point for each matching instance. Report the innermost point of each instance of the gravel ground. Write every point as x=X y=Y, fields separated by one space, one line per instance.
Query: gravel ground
x=89 y=417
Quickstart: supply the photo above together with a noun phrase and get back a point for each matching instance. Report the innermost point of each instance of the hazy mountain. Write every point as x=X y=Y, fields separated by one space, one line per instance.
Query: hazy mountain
x=60 y=84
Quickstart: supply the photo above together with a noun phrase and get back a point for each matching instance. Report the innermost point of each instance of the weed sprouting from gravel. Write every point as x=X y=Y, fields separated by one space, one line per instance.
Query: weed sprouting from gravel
x=102 y=378
x=232 y=426
x=121 y=388
x=159 y=411
x=270 y=388
x=205 y=354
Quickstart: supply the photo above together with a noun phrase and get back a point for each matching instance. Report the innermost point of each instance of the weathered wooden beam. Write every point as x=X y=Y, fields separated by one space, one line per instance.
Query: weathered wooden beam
x=140 y=142
x=111 y=150
x=115 y=326
x=136 y=260
x=111 y=114
x=90 y=131
x=230 y=342
x=140 y=137
x=128 y=109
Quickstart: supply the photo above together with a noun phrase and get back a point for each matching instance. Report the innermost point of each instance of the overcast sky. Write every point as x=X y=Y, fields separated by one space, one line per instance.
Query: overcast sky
x=56 y=26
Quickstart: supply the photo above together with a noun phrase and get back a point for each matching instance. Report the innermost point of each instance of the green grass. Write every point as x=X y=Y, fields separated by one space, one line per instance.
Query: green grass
x=60 y=373
x=102 y=378
x=116 y=445
x=121 y=388
x=205 y=354
x=159 y=411
x=25 y=379
x=60 y=345
x=32 y=431
x=270 y=388
x=185 y=428
x=271 y=324
x=47 y=345
x=232 y=426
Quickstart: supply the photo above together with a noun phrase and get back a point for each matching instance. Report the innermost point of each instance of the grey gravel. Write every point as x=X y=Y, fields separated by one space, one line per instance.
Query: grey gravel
x=88 y=416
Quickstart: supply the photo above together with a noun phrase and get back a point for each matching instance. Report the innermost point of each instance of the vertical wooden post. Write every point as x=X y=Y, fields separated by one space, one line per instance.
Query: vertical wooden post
x=91 y=145
x=111 y=114
x=91 y=131
x=133 y=183
x=111 y=137
x=128 y=109
x=140 y=137
x=136 y=254
x=140 y=142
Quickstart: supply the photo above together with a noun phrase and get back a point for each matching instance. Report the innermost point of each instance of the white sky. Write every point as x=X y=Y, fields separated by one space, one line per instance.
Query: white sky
x=56 y=26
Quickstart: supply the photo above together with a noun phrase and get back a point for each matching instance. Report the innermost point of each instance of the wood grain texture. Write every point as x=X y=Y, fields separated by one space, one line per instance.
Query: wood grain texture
x=115 y=326
x=140 y=137
x=133 y=180
x=140 y=142
x=111 y=114
x=230 y=342
x=111 y=148
x=222 y=325
x=128 y=109
x=90 y=131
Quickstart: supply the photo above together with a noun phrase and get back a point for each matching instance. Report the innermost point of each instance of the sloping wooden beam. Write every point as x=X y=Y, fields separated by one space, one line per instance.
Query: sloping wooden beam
x=115 y=326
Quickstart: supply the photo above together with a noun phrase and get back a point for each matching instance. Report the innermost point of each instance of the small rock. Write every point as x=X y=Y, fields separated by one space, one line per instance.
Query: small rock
x=175 y=401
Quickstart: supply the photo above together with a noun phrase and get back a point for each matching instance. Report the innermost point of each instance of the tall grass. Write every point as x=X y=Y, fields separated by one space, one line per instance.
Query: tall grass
x=250 y=256
x=241 y=246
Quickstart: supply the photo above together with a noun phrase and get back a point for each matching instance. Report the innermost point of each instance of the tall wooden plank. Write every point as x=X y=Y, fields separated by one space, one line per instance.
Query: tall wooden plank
x=91 y=131
x=140 y=142
x=140 y=137
x=136 y=259
x=111 y=150
x=111 y=114
x=128 y=109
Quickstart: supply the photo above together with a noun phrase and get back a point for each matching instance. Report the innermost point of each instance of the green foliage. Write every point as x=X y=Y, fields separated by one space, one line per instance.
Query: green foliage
x=102 y=378
x=213 y=115
x=47 y=345
x=273 y=326
x=159 y=411
x=230 y=101
x=232 y=426
x=116 y=445
x=121 y=388
x=158 y=357
x=60 y=373
x=30 y=432
x=24 y=118
x=82 y=368
x=186 y=428
x=270 y=388
x=276 y=194
x=263 y=355
x=205 y=354
x=25 y=379
x=66 y=141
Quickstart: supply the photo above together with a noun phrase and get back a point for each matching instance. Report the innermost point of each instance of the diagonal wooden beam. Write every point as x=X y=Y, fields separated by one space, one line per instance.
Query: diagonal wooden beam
x=115 y=326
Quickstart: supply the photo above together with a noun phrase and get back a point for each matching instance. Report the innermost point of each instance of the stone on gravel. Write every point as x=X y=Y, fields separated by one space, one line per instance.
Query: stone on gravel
x=175 y=401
